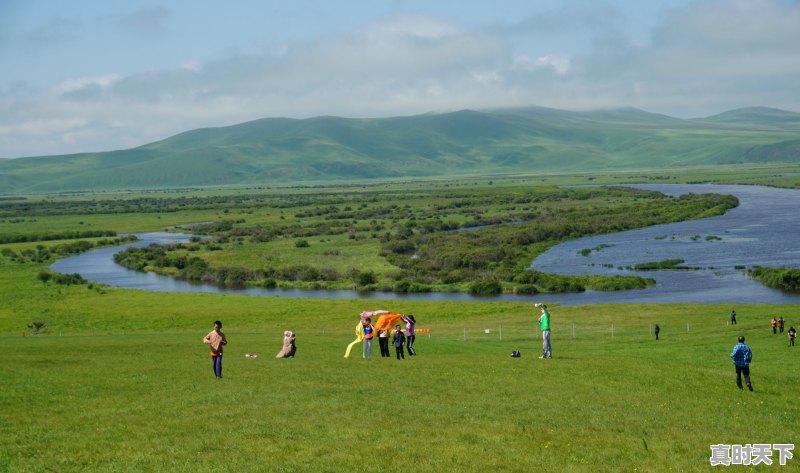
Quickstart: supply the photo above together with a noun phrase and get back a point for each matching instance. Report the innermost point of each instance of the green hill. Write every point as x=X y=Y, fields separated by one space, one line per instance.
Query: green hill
x=464 y=142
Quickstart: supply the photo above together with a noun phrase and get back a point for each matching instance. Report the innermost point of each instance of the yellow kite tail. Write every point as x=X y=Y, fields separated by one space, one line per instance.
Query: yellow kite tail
x=359 y=337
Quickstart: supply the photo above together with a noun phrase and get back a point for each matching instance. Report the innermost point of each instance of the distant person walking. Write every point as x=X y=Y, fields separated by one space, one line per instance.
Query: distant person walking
x=411 y=336
x=742 y=356
x=774 y=325
x=733 y=317
x=398 y=339
x=781 y=323
x=658 y=329
x=217 y=340
x=792 y=333
x=544 y=324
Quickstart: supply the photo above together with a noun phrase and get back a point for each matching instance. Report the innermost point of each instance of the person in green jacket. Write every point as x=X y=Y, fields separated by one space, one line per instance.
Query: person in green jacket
x=544 y=324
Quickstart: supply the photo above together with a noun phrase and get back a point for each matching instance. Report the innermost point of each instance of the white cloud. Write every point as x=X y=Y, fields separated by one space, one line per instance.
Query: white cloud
x=557 y=62
x=82 y=83
x=704 y=58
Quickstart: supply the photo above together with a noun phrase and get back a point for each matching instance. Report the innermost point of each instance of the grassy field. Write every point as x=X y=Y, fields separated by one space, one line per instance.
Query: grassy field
x=121 y=381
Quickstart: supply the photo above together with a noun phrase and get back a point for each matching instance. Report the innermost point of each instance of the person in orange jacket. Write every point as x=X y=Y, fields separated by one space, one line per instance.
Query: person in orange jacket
x=217 y=340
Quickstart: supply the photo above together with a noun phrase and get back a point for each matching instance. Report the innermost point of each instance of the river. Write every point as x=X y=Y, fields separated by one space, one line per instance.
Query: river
x=763 y=231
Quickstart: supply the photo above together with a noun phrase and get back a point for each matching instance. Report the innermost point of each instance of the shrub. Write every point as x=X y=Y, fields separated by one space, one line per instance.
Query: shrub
x=526 y=290
x=485 y=288
x=365 y=278
x=269 y=283
x=37 y=327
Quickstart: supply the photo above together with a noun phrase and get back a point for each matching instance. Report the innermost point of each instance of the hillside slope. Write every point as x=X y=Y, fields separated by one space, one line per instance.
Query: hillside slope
x=465 y=142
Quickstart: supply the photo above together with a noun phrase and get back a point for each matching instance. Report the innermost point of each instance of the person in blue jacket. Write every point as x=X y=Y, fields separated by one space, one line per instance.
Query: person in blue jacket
x=741 y=357
x=399 y=338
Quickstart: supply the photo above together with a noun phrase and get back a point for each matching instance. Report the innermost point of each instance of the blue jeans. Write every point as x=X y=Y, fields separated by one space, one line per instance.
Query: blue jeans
x=216 y=364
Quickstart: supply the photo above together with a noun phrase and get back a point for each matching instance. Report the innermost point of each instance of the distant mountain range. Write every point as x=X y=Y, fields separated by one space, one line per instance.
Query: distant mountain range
x=526 y=140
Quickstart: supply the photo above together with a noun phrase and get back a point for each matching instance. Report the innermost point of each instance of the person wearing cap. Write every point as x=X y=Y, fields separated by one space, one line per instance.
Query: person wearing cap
x=741 y=357
x=544 y=324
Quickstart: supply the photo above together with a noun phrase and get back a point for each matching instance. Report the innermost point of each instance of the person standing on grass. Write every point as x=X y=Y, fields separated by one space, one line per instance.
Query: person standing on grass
x=410 y=336
x=741 y=357
x=369 y=332
x=544 y=324
x=383 y=341
x=792 y=333
x=733 y=317
x=398 y=340
x=781 y=323
x=774 y=325
x=658 y=329
x=217 y=340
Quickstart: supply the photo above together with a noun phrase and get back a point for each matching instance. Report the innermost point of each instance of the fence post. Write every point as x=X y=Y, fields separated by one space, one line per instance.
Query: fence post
x=573 y=330
x=687 y=326
x=465 y=334
x=612 y=330
x=501 y=333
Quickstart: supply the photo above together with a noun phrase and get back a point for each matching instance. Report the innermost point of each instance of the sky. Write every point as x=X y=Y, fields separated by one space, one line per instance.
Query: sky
x=97 y=75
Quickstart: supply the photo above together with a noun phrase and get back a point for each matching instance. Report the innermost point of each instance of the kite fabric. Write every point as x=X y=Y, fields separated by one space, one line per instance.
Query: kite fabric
x=359 y=337
x=386 y=321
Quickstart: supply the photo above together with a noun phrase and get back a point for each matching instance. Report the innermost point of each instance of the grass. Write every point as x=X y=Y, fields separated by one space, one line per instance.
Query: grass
x=123 y=383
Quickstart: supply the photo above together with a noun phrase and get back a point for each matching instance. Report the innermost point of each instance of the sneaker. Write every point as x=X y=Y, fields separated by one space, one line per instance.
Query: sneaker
x=750 y=387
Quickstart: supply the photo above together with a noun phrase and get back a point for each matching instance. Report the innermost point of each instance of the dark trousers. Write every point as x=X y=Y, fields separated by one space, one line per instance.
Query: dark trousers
x=399 y=351
x=216 y=364
x=384 y=343
x=410 y=343
x=742 y=370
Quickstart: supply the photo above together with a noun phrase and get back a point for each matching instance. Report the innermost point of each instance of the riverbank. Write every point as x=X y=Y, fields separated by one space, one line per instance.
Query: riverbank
x=745 y=237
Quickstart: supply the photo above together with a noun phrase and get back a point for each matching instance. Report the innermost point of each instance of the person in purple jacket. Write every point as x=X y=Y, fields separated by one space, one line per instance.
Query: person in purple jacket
x=410 y=337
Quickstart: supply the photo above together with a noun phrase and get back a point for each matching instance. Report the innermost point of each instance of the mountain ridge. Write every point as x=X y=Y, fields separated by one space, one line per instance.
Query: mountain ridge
x=525 y=139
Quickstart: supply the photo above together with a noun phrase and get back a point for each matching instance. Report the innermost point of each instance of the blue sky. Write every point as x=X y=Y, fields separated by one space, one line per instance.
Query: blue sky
x=99 y=75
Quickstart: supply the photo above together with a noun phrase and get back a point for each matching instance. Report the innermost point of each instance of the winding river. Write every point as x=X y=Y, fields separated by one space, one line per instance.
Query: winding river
x=763 y=230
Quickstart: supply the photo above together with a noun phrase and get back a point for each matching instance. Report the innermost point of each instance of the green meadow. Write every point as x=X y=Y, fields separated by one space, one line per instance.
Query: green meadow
x=122 y=382
x=119 y=380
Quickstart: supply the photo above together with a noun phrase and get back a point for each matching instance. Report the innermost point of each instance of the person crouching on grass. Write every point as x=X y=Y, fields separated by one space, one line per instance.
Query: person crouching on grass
x=217 y=340
x=399 y=339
